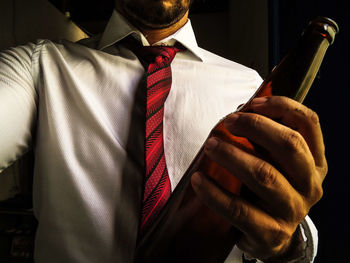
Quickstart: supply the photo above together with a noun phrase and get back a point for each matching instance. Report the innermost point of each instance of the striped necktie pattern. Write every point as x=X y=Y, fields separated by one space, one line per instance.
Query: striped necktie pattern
x=157 y=187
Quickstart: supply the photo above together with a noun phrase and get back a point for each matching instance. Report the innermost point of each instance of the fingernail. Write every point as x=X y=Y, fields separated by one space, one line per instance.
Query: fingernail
x=196 y=179
x=230 y=121
x=211 y=143
x=259 y=101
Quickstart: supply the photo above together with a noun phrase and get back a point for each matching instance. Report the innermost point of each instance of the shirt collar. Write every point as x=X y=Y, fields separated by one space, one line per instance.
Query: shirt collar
x=118 y=28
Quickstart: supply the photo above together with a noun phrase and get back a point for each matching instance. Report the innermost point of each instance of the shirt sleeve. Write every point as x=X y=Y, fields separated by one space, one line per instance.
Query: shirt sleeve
x=18 y=100
x=311 y=240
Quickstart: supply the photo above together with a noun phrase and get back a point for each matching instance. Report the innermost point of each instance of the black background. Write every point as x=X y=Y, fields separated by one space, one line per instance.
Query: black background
x=329 y=98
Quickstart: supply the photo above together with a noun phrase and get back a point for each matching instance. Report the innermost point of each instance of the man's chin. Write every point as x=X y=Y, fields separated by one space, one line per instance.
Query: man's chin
x=156 y=24
x=154 y=18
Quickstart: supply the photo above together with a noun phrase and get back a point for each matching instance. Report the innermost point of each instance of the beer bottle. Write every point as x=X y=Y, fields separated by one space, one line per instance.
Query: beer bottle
x=187 y=230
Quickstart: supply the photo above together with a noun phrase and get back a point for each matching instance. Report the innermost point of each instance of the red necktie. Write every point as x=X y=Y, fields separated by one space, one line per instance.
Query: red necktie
x=156 y=181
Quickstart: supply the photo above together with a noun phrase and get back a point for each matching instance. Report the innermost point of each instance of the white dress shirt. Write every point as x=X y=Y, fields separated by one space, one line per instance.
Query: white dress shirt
x=79 y=105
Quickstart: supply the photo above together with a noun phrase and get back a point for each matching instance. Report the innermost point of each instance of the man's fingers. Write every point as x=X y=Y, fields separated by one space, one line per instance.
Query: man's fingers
x=298 y=117
x=259 y=176
x=285 y=146
x=252 y=221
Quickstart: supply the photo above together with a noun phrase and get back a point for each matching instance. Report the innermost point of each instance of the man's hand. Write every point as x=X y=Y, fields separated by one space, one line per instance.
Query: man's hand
x=287 y=178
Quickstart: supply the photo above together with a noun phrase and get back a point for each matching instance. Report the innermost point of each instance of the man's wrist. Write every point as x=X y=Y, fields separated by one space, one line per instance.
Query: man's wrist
x=310 y=243
x=295 y=252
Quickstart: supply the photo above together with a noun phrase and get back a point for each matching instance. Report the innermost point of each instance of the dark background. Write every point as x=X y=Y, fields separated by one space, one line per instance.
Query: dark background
x=329 y=97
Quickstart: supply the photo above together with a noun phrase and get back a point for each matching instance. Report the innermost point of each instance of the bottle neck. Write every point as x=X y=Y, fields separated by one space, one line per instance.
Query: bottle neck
x=294 y=75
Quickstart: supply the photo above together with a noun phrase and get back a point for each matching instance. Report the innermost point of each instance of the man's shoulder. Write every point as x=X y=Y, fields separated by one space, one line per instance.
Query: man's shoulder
x=64 y=44
x=48 y=45
x=65 y=47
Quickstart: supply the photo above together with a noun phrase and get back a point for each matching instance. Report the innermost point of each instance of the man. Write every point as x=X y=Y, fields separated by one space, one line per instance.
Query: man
x=81 y=106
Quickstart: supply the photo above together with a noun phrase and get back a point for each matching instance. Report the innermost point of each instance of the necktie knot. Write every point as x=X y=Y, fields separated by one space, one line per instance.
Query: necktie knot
x=158 y=54
x=154 y=56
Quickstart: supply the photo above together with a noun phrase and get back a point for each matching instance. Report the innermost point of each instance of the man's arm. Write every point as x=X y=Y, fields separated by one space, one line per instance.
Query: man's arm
x=18 y=99
x=287 y=178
